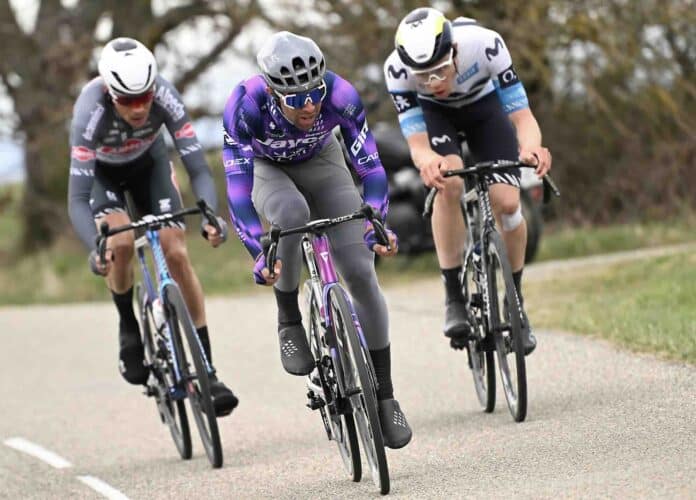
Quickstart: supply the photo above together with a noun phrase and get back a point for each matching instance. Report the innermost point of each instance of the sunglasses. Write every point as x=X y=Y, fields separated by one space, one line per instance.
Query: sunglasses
x=436 y=73
x=136 y=100
x=300 y=99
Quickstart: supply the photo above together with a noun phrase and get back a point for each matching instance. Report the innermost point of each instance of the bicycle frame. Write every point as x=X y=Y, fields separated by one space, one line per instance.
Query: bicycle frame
x=323 y=278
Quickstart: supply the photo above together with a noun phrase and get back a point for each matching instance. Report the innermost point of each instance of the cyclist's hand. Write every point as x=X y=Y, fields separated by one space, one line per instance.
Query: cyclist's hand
x=97 y=266
x=262 y=275
x=430 y=172
x=210 y=234
x=371 y=241
x=538 y=156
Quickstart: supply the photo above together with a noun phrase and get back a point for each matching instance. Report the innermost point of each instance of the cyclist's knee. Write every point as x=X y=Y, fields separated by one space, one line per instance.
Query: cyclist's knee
x=451 y=194
x=511 y=220
x=295 y=212
x=121 y=246
x=176 y=254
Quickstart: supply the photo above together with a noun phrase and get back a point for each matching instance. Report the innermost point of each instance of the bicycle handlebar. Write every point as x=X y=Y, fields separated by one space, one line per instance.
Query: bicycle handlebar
x=483 y=168
x=269 y=242
x=149 y=221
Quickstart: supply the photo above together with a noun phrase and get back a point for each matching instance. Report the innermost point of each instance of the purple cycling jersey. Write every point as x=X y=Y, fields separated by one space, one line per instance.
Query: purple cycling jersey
x=255 y=127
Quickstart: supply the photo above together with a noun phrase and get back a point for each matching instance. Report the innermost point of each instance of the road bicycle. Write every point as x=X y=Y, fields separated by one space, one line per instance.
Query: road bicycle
x=178 y=366
x=343 y=385
x=493 y=307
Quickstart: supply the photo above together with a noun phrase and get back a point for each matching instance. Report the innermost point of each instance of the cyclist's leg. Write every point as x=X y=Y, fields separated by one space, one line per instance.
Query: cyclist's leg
x=157 y=191
x=279 y=201
x=331 y=192
x=449 y=231
x=494 y=138
x=108 y=205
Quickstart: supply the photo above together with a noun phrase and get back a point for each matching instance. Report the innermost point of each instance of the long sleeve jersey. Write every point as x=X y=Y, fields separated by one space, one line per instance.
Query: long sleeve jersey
x=254 y=127
x=98 y=133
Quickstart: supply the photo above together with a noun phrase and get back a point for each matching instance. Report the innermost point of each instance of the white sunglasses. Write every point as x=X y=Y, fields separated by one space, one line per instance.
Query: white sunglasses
x=436 y=73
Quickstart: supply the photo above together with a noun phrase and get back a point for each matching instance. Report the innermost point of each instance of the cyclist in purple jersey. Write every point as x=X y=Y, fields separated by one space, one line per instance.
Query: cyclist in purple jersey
x=282 y=159
x=117 y=146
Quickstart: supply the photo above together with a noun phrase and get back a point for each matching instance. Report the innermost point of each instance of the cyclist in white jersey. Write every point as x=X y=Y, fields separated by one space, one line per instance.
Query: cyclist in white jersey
x=454 y=80
x=116 y=146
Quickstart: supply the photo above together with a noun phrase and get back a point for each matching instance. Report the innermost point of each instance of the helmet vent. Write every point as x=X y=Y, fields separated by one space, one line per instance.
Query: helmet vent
x=121 y=45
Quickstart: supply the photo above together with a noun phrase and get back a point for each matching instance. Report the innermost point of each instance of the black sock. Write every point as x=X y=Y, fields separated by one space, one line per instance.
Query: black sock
x=381 y=360
x=453 y=284
x=517 y=278
x=205 y=342
x=124 y=304
x=288 y=308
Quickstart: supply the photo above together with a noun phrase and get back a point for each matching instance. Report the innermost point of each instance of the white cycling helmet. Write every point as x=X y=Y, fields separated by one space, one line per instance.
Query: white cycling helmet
x=423 y=37
x=127 y=67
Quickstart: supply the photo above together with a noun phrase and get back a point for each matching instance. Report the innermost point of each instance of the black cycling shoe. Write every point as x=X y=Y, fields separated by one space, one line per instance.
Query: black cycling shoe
x=224 y=399
x=528 y=339
x=132 y=358
x=395 y=429
x=295 y=355
x=457 y=327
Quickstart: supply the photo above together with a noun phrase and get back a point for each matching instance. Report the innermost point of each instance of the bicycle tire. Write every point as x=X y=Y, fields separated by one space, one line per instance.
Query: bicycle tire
x=341 y=426
x=197 y=384
x=481 y=361
x=506 y=322
x=361 y=384
x=169 y=410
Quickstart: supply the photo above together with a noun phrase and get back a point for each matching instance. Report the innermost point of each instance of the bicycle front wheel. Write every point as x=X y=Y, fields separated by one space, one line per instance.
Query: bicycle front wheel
x=194 y=373
x=360 y=385
x=481 y=360
x=507 y=325
x=340 y=425
x=172 y=412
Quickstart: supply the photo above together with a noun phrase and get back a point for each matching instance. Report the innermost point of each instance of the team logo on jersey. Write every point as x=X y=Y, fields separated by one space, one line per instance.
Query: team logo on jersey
x=400 y=102
x=397 y=74
x=440 y=140
x=165 y=205
x=350 y=110
x=129 y=146
x=81 y=153
x=169 y=102
x=360 y=140
x=468 y=73
x=185 y=132
x=492 y=52
x=508 y=77
x=96 y=115
x=111 y=196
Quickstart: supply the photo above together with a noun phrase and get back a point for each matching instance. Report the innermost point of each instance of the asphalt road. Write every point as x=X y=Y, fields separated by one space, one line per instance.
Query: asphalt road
x=601 y=423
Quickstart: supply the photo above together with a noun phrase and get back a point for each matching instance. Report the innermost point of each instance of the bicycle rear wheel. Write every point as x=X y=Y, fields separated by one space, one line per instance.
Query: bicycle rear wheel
x=340 y=424
x=194 y=373
x=172 y=412
x=506 y=323
x=481 y=361
x=360 y=385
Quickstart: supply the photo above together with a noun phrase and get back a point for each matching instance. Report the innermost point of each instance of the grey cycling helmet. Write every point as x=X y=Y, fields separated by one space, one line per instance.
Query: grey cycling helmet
x=291 y=63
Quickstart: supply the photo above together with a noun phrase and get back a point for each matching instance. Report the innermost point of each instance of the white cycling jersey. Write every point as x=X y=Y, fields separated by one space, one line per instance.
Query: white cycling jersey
x=483 y=64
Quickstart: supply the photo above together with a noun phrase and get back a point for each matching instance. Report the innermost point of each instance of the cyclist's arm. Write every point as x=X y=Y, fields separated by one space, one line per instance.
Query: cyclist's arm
x=83 y=145
x=238 y=160
x=186 y=142
x=528 y=131
x=362 y=148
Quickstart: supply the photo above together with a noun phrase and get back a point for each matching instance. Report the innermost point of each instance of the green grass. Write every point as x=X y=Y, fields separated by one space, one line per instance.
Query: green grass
x=648 y=305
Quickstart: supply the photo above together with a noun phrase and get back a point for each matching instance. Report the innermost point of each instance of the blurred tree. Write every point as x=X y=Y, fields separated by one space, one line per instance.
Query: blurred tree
x=43 y=67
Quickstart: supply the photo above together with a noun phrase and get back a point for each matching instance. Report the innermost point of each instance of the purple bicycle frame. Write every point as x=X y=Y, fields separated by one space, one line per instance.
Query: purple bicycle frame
x=329 y=279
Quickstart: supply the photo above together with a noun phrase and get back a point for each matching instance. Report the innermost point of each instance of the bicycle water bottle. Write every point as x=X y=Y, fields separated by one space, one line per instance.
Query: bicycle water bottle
x=158 y=314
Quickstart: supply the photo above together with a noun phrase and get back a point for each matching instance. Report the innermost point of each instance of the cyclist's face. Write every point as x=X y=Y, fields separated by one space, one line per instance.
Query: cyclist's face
x=439 y=78
x=302 y=117
x=134 y=111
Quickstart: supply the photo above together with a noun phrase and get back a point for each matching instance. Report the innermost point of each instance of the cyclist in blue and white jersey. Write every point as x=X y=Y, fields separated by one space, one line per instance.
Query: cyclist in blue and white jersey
x=453 y=79
x=116 y=146
x=282 y=160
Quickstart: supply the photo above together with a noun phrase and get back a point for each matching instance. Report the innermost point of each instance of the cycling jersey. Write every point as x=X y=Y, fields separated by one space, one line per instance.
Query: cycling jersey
x=254 y=126
x=483 y=65
x=98 y=134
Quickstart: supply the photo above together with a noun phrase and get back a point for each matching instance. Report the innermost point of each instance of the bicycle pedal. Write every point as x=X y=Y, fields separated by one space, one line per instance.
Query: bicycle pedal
x=315 y=403
x=150 y=391
x=476 y=300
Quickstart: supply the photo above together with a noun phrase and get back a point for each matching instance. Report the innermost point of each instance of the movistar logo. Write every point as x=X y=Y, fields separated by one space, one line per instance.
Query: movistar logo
x=492 y=52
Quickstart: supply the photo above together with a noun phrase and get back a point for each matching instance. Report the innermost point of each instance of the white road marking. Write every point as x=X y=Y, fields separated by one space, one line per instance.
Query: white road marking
x=37 y=451
x=101 y=487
